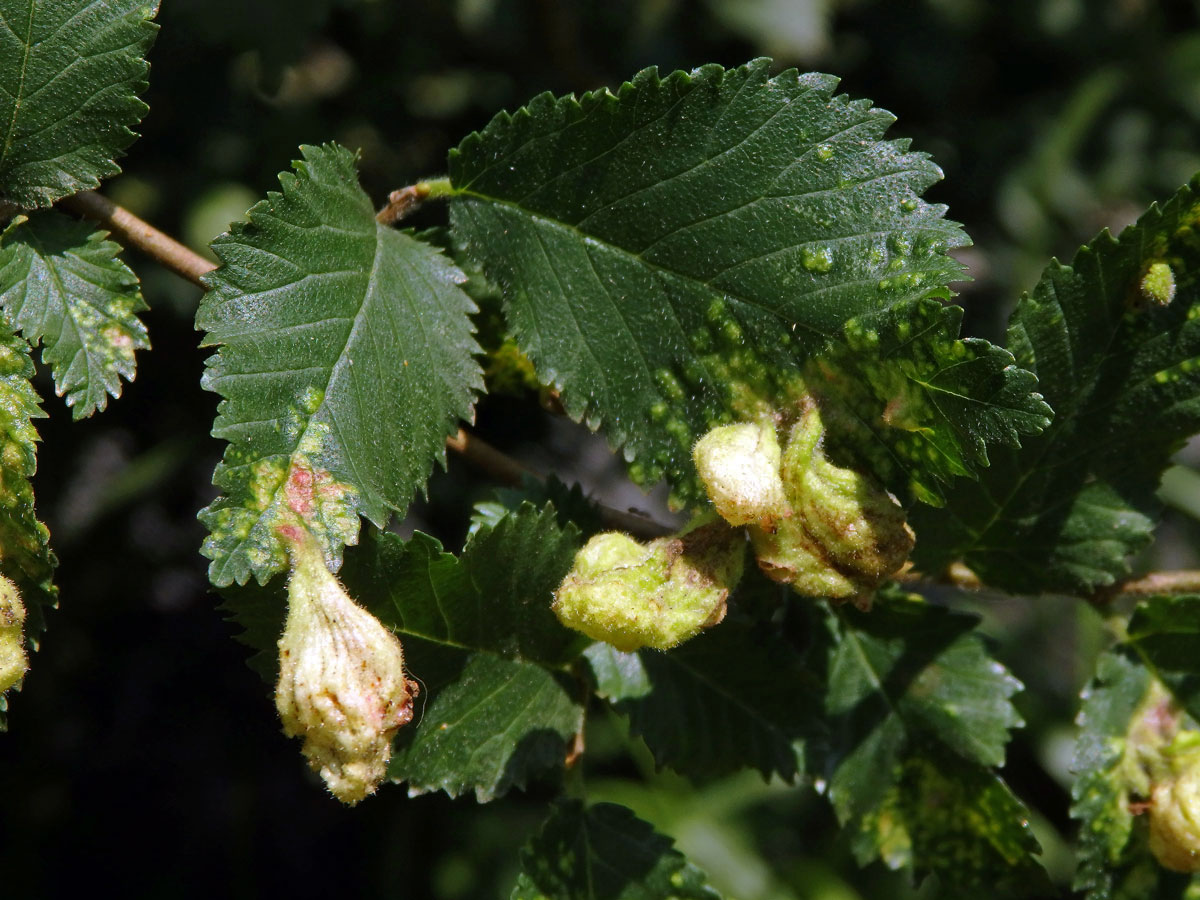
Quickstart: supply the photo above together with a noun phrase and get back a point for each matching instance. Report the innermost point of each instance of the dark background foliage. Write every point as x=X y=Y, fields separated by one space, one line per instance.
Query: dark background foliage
x=143 y=754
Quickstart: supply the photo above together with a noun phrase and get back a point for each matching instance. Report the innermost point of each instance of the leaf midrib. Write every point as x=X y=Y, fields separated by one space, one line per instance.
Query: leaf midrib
x=233 y=557
x=12 y=122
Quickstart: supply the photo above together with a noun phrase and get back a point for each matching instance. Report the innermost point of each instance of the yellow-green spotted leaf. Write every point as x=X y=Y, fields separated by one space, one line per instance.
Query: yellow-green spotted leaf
x=63 y=284
x=25 y=555
x=906 y=681
x=70 y=73
x=1114 y=338
x=917 y=403
x=1125 y=713
x=345 y=360
x=667 y=251
x=960 y=822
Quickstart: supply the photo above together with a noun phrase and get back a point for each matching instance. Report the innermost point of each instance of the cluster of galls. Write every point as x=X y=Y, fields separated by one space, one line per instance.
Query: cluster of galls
x=826 y=530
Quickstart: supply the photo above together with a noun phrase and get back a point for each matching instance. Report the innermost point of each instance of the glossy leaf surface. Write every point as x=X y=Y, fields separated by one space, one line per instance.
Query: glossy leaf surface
x=345 y=360
x=70 y=73
x=63 y=284
x=666 y=251
x=1121 y=368
x=920 y=405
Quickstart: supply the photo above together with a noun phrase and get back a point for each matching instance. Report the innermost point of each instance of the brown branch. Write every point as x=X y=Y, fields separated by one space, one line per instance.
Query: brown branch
x=955 y=575
x=141 y=235
x=1181 y=582
x=1184 y=581
x=504 y=468
x=483 y=455
x=402 y=202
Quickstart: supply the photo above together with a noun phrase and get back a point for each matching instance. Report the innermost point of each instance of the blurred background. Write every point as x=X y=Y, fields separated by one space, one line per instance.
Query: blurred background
x=143 y=753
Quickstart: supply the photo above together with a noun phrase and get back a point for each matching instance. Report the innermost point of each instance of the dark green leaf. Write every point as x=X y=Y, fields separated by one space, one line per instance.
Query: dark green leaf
x=259 y=611
x=1165 y=631
x=345 y=361
x=1122 y=371
x=956 y=820
x=487 y=723
x=903 y=678
x=70 y=73
x=25 y=555
x=569 y=503
x=605 y=853
x=62 y=283
x=919 y=404
x=472 y=629
x=735 y=697
x=667 y=251
x=496 y=597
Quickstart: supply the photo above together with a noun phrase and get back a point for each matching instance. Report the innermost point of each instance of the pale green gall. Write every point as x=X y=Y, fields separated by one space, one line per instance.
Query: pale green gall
x=659 y=594
x=1175 y=820
x=739 y=467
x=342 y=685
x=846 y=534
x=1157 y=285
x=13 y=661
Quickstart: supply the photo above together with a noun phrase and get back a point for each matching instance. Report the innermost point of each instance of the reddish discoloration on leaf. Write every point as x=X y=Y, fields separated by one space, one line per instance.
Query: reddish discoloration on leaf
x=308 y=488
x=299 y=490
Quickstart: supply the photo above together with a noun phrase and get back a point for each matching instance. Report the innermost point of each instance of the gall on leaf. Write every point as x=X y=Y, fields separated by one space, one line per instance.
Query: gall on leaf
x=659 y=594
x=826 y=530
x=13 y=661
x=342 y=686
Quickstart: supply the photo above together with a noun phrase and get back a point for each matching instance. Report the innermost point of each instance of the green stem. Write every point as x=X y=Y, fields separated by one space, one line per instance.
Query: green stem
x=437 y=188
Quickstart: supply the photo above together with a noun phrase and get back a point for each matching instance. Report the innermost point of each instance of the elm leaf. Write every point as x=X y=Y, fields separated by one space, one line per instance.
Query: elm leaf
x=63 y=284
x=669 y=251
x=345 y=360
x=70 y=73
